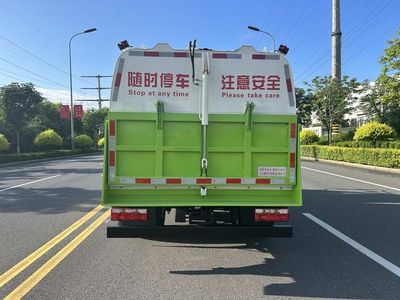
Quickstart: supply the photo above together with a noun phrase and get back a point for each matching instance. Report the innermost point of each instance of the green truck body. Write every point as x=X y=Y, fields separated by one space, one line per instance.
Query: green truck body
x=227 y=138
x=171 y=150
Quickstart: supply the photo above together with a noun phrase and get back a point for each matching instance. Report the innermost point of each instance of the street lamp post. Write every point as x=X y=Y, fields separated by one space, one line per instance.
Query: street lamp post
x=267 y=33
x=70 y=85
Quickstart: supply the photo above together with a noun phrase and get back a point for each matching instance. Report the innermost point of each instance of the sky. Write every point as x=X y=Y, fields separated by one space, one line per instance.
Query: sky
x=34 y=36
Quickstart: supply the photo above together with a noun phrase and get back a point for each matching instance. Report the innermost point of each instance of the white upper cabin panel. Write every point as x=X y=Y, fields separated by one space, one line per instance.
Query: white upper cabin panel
x=144 y=76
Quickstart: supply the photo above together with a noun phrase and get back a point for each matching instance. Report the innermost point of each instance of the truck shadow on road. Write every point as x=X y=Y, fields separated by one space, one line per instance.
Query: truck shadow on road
x=311 y=264
x=302 y=269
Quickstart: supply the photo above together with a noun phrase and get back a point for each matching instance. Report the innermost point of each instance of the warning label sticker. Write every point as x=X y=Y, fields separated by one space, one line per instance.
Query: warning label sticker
x=272 y=171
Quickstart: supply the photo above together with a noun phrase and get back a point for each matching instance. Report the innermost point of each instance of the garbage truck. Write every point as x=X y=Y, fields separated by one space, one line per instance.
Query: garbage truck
x=208 y=135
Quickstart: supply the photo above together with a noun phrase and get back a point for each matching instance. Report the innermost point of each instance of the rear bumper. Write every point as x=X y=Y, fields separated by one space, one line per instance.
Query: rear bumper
x=188 y=232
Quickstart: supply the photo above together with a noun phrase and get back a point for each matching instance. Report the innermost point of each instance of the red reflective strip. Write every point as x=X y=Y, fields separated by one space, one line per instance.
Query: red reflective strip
x=289 y=85
x=203 y=181
x=233 y=181
x=293 y=130
x=180 y=54
x=151 y=53
x=112 y=128
x=263 y=181
x=259 y=56
x=142 y=180
x=173 y=181
x=118 y=80
x=292 y=160
x=112 y=159
x=220 y=55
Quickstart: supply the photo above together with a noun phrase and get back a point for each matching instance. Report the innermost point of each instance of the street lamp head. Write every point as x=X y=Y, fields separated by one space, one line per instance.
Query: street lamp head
x=253 y=28
x=90 y=30
x=267 y=33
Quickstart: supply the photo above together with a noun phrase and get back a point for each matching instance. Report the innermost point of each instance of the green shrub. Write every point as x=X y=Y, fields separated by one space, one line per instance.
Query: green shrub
x=342 y=137
x=4 y=144
x=308 y=137
x=100 y=142
x=83 y=141
x=323 y=140
x=389 y=158
x=374 y=131
x=48 y=140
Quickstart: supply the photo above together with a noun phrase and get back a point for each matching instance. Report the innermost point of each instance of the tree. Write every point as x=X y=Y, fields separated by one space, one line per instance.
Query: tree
x=93 y=122
x=19 y=102
x=382 y=100
x=304 y=103
x=389 y=79
x=332 y=99
x=378 y=110
x=48 y=116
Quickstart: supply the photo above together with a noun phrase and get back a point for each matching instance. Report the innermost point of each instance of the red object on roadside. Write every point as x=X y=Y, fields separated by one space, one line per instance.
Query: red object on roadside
x=78 y=112
x=64 y=112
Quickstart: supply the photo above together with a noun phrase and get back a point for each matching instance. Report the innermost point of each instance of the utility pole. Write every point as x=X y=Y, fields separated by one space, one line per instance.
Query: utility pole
x=336 y=41
x=99 y=88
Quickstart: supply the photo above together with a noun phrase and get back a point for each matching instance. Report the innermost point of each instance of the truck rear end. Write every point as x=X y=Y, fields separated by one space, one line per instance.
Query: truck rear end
x=210 y=134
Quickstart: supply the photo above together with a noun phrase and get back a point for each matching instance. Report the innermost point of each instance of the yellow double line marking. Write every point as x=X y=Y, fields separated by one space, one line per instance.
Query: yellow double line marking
x=29 y=283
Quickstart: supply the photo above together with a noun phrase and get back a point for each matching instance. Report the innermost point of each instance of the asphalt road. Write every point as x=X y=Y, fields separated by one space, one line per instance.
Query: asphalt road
x=345 y=246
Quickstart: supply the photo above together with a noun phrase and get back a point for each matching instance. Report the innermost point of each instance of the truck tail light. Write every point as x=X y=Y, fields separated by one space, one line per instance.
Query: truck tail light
x=129 y=214
x=271 y=214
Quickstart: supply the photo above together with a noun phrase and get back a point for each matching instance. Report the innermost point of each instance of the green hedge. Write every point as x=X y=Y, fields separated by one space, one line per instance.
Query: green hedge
x=5 y=158
x=389 y=158
x=368 y=144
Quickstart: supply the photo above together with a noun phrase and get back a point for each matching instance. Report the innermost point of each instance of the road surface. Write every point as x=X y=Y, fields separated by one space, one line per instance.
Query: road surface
x=53 y=242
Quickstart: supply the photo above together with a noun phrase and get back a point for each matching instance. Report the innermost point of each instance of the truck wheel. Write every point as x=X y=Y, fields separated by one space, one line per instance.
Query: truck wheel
x=246 y=218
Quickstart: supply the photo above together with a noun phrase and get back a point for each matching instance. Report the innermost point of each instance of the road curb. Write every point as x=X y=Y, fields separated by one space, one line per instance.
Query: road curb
x=342 y=163
x=31 y=161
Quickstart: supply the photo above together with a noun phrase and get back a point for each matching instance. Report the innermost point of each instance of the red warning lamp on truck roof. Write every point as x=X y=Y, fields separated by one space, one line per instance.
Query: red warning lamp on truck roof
x=123 y=45
x=283 y=49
